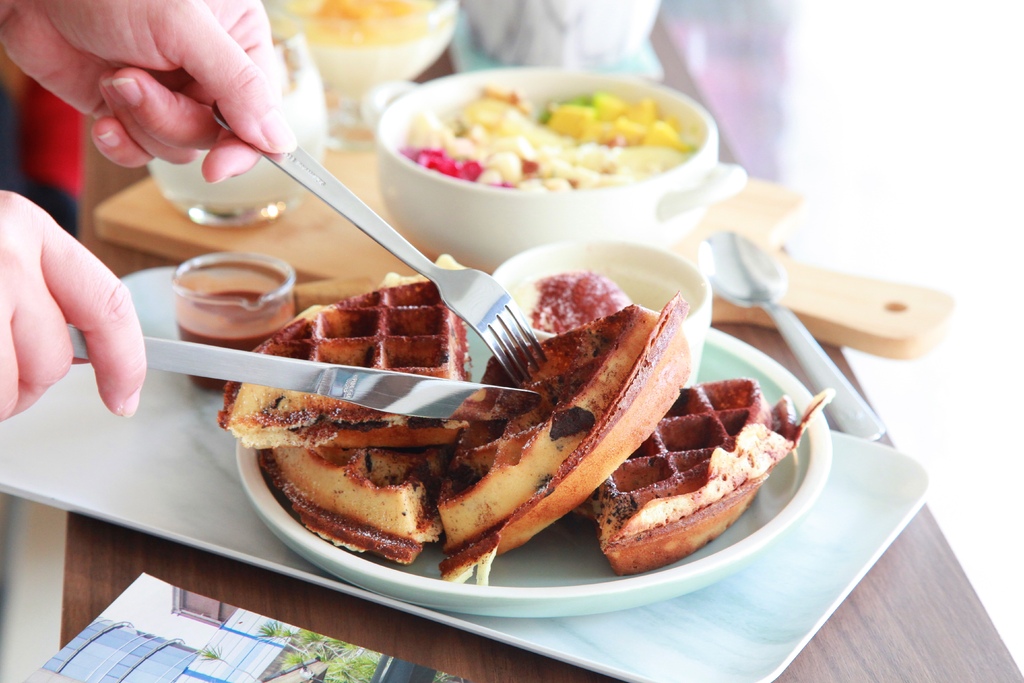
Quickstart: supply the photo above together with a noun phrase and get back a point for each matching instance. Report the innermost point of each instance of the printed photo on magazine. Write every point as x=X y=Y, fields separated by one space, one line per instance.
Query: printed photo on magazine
x=155 y=632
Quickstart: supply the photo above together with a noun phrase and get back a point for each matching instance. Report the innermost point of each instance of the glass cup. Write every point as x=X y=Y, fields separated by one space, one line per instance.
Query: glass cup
x=263 y=193
x=358 y=44
x=232 y=299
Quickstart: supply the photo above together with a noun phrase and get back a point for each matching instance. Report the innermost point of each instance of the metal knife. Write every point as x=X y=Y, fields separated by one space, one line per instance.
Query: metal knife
x=386 y=390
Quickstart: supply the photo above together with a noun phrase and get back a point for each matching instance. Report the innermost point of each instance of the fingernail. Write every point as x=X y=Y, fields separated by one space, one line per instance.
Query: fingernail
x=109 y=139
x=129 y=89
x=130 y=405
x=277 y=133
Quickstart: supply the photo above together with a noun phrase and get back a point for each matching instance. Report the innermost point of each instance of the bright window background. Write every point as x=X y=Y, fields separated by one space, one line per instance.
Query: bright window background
x=900 y=121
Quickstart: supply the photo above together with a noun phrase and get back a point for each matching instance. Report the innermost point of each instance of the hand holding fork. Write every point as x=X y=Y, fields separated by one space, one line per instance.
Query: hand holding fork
x=473 y=295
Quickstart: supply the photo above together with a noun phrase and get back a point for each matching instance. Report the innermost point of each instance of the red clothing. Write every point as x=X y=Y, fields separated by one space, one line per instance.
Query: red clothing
x=51 y=140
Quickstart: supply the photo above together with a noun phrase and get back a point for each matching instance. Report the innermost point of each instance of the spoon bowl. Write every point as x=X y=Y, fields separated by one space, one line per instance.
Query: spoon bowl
x=745 y=275
x=740 y=271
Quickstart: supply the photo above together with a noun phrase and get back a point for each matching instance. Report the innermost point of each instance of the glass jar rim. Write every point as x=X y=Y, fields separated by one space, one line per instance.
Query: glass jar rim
x=241 y=259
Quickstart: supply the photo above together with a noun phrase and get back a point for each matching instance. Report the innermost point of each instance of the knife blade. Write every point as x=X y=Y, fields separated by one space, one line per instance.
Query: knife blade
x=385 y=390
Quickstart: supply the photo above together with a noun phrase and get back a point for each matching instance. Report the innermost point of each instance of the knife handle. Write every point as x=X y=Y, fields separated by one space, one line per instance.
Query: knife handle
x=78 y=347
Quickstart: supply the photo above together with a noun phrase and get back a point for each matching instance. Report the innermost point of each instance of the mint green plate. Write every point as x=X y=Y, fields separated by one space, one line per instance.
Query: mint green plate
x=561 y=572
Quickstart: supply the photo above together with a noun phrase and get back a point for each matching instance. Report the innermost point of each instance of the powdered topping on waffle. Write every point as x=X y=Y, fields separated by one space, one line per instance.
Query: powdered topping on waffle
x=696 y=474
x=405 y=328
x=376 y=500
x=605 y=387
x=557 y=303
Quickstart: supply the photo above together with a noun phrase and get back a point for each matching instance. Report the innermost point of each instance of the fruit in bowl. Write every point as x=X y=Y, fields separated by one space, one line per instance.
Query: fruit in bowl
x=484 y=223
x=590 y=141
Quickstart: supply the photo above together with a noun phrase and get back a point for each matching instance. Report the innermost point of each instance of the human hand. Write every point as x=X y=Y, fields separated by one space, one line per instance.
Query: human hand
x=148 y=71
x=48 y=279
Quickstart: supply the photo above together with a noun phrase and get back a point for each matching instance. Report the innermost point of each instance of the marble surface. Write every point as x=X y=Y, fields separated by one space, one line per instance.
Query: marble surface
x=171 y=471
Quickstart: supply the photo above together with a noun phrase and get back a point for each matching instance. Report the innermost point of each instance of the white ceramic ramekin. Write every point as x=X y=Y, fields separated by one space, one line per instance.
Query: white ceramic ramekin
x=649 y=275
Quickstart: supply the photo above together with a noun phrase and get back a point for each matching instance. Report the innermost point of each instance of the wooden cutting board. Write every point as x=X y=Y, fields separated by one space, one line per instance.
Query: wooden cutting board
x=882 y=318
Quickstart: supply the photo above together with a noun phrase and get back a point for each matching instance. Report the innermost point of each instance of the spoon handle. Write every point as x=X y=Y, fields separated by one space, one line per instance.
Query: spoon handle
x=848 y=410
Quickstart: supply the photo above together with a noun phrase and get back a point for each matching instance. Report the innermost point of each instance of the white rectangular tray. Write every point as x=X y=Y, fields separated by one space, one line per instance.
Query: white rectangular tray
x=170 y=471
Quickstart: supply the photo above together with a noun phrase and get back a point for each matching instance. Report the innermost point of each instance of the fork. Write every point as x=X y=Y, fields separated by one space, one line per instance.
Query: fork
x=473 y=295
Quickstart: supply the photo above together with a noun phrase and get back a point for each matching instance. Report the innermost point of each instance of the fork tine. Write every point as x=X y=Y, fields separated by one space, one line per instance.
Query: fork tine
x=508 y=353
x=519 y=345
x=524 y=335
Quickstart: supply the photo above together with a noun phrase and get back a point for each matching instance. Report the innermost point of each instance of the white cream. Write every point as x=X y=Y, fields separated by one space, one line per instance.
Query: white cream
x=352 y=70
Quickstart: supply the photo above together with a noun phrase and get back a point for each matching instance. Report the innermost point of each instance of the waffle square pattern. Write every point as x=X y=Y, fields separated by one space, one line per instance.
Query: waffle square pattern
x=406 y=328
x=696 y=473
x=661 y=470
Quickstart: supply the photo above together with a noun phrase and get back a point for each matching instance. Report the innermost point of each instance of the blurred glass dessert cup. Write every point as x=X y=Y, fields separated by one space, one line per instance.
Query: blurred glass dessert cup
x=263 y=193
x=232 y=299
x=358 y=44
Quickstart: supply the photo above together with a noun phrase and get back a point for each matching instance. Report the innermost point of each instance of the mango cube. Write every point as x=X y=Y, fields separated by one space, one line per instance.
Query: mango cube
x=644 y=112
x=608 y=107
x=631 y=131
x=661 y=134
x=572 y=119
x=593 y=131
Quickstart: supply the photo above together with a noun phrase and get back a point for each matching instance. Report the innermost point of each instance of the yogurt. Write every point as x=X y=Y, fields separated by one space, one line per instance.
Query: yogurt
x=358 y=45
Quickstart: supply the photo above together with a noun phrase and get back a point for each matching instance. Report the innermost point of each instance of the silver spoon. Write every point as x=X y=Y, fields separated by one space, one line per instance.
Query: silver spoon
x=744 y=274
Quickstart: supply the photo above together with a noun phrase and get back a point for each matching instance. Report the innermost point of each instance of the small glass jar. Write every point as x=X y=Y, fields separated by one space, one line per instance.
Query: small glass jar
x=232 y=299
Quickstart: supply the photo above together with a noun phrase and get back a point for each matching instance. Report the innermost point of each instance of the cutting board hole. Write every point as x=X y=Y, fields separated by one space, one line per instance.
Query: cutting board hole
x=896 y=307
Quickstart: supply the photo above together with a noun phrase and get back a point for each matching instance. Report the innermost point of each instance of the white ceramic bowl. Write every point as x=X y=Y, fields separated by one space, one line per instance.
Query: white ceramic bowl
x=649 y=275
x=481 y=226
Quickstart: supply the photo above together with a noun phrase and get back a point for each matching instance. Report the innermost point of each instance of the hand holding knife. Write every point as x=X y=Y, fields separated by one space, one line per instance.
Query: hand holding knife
x=385 y=390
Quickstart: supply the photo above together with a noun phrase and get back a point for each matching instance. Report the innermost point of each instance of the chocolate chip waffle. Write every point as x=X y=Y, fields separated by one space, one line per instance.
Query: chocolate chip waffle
x=381 y=501
x=605 y=386
x=695 y=475
x=405 y=328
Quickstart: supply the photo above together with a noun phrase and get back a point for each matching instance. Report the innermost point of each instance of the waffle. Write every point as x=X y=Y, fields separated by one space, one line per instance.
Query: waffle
x=381 y=501
x=695 y=475
x=605 y=386
x=405 y=328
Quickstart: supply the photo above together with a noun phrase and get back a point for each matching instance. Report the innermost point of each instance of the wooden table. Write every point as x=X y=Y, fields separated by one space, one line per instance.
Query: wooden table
x=913 y=617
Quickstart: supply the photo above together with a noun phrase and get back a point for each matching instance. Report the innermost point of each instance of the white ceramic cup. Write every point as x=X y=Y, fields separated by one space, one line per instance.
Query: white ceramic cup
x=649 y=276
x=481 y=225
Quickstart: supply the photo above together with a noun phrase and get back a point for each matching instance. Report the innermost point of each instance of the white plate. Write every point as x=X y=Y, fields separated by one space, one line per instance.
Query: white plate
x=561 y=572
x=154 y=300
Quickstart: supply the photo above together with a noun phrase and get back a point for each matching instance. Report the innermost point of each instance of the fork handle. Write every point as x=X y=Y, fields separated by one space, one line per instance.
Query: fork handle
x=312 y=175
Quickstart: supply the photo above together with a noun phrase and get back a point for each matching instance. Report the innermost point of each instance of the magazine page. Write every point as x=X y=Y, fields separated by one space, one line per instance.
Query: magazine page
x=156 y=632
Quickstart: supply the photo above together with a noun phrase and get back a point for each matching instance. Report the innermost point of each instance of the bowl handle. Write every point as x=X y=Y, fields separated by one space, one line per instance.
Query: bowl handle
x=377 y=99
x=724 y=181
